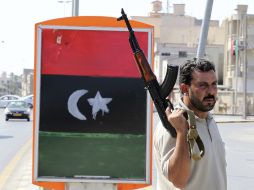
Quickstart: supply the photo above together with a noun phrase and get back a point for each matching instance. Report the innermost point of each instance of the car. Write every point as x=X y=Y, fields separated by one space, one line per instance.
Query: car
x=4 y=100
x=17 y=109
x=28 y=99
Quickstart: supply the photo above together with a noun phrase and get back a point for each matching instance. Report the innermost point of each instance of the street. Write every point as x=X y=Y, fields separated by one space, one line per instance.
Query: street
x=16 y=149
x=239 y=139
x=13 y=135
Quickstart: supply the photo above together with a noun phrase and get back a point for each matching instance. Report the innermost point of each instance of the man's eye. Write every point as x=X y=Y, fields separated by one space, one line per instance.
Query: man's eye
x=203 y=85
x=215 y=85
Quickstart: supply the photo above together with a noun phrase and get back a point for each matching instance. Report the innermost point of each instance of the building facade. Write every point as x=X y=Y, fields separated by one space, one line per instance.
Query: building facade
x=239 y=60
x=177 y=36
x=27 y=82
x=21 y=85
x=229 y=45
x=10 y=84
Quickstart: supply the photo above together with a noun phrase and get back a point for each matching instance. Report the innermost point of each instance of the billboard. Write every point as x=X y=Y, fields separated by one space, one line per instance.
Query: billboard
x=92 y=121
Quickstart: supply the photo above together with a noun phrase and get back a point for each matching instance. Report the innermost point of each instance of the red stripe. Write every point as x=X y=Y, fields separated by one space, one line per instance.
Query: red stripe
x=90 y=53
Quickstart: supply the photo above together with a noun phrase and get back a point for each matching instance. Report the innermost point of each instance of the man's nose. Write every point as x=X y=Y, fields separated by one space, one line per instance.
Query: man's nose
x=212 y=89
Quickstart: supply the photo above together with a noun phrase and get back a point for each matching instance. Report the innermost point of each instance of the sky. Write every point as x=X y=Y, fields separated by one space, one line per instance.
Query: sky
x=18 y=17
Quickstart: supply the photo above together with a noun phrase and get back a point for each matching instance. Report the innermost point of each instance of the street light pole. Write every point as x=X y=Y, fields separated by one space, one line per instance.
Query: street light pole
x=244 y=65
x=242 y=11
x=204 y=30
x=236 y=63
x=75 y=7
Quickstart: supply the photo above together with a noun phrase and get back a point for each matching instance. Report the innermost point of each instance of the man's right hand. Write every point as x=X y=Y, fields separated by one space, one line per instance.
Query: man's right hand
x=177 y=120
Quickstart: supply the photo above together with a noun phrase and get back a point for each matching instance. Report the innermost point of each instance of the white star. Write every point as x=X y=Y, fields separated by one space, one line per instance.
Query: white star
x=98 y=103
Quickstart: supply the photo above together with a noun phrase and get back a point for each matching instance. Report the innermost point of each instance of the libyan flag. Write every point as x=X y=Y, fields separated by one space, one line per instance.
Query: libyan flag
x=89 y=83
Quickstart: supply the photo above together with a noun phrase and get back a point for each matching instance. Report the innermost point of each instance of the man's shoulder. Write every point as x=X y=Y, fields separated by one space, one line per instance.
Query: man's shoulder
x=161 y=133
x=160 y=129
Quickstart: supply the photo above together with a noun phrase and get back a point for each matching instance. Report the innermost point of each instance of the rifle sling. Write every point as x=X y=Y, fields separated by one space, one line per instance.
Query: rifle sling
x=193 y=137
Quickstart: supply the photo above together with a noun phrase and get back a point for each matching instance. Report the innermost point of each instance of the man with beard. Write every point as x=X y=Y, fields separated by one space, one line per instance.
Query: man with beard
x=175 y=167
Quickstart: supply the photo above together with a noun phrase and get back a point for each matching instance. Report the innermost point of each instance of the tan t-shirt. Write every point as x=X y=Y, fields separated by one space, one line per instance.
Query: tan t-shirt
x=209 y=173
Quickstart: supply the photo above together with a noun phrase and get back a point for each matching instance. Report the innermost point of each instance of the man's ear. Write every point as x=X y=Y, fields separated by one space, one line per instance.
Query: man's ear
x=184 y=88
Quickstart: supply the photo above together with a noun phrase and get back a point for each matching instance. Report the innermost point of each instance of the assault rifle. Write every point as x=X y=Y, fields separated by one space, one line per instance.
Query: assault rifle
x=159 y=93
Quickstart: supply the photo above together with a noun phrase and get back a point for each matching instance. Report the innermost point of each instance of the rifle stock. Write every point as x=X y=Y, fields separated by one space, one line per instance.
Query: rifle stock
x=158 y=93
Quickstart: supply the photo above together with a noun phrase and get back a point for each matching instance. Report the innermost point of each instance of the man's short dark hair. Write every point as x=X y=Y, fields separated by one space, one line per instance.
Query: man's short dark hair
x=189 y=66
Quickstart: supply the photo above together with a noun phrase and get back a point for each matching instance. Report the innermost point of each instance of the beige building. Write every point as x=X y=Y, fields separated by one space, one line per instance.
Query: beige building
x=27 y=84
x=239 y=60
x=3 y=82
x=177 y=37
x=239 y=49
x=10 y=84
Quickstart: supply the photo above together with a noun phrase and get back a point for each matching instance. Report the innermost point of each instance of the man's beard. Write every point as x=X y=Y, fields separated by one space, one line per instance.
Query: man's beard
x=199 y=105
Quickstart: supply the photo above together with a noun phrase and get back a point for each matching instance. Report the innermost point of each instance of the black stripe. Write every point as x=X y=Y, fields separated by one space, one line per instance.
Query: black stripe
x=127 y=110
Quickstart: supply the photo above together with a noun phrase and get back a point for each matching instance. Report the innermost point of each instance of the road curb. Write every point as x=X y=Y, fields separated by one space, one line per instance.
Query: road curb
x=240 y=121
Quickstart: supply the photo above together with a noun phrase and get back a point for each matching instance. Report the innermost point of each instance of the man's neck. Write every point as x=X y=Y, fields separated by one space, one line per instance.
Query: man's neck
x=200 y=114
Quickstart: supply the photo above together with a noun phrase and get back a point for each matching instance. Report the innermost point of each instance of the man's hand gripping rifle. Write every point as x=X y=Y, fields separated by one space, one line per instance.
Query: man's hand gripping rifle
x=159 y=93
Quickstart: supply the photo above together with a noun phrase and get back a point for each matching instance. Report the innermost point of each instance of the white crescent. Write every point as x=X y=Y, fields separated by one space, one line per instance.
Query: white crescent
x=72 y=104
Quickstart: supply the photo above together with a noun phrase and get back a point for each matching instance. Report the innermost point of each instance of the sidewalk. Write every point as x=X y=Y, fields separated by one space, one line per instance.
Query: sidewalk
x=21 y=176
x=232 y=118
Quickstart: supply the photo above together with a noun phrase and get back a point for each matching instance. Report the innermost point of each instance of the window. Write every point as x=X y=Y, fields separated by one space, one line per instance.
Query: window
x=182 y=54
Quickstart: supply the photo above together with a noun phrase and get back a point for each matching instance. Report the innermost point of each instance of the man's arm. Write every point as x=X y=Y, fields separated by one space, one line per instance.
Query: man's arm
x=179 y=162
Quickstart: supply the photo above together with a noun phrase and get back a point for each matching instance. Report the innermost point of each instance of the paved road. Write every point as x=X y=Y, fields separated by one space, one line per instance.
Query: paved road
x=239 y=139
x=15 y=154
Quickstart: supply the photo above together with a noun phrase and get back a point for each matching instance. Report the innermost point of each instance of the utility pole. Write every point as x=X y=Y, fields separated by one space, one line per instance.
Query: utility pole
x=204 y=30
x=244 y=64
x=168 y=6
x=75 y=7
x=237 y=63
x=242 y=47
